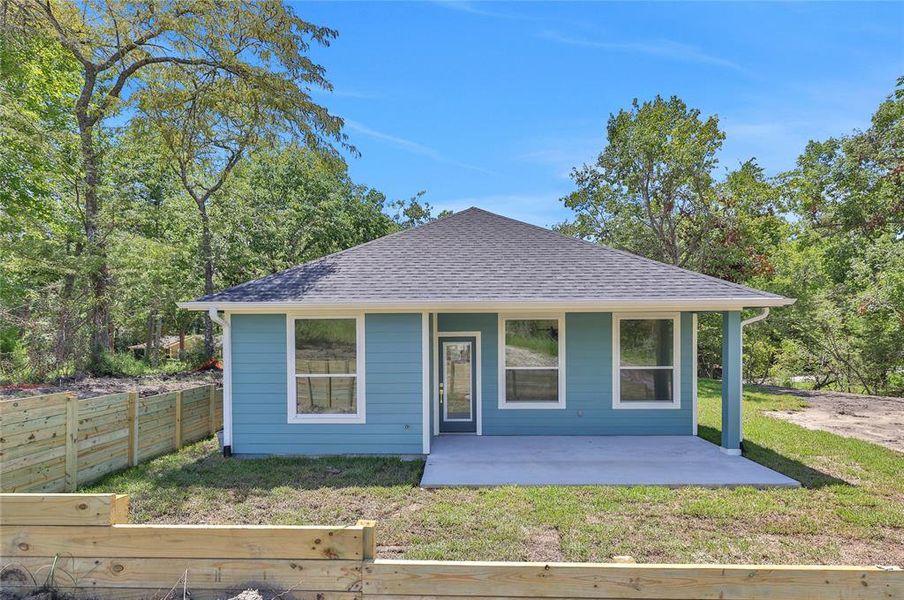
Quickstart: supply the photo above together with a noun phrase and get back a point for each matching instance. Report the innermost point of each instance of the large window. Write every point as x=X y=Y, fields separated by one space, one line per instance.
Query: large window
x=532 y=375
x=326 y=370
x=646 y=351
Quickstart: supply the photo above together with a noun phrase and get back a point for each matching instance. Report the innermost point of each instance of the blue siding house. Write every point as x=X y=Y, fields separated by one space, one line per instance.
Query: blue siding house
x=474 y=324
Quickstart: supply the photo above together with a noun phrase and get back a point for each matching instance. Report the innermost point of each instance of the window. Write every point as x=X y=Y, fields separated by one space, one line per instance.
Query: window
x=326 y=370
x=531 y=351
x=646 y=356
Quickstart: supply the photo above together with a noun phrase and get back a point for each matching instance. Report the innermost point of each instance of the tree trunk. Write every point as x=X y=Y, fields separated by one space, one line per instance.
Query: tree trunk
x=207 y=258
x=98 y=270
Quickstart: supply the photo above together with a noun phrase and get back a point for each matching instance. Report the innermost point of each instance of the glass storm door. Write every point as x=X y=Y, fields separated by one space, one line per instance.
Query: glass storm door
x=457 y=385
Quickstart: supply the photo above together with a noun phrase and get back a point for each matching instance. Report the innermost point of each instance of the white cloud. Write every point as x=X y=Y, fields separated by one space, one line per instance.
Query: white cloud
x=410 y=146
x=663 y=48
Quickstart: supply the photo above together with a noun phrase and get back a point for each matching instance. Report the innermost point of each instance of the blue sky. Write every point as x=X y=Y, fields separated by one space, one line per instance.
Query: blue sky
x=492 y=104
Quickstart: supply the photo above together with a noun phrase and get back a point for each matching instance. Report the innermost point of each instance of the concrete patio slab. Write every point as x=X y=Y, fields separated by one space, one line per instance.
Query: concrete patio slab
x=672 y=461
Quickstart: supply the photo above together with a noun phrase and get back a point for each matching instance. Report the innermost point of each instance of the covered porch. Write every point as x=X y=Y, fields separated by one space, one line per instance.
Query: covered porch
x=671 y=461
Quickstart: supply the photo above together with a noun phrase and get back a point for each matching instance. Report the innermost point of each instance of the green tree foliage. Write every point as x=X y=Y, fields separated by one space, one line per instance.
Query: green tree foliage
x=234 y=63
x=829 y=232
x=123 y=123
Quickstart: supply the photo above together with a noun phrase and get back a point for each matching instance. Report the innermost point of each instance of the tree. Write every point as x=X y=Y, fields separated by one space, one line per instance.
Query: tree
x=208 y=117
x=651 y=189
x=289 y=205
x=412 y=213
x=118 y=42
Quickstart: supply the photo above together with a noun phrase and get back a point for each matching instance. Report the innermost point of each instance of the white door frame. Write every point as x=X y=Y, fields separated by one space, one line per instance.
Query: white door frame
x=476 y=361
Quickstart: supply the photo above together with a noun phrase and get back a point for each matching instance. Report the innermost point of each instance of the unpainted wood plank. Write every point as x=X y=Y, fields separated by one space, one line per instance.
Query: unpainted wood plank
x=149 y=401
x=8 y=455
x=17 y=405
x=676 y=582
x=118 y=434
x=62 y=509
x=207 y=573
x=368 y=538
x=100 y=404
x=212 y=408
x=177 y=433
x=71 y=443
x=101 y=421
x=9 y=440
x=132 y=425
x=169 y=593
x=183 y=541
x=56 y=419
x=31 y=414
x=34 y=458
x=96 y=471
x=41 y=478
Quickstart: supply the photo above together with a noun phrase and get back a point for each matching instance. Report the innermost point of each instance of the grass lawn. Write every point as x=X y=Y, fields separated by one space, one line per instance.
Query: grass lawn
x=850 y=509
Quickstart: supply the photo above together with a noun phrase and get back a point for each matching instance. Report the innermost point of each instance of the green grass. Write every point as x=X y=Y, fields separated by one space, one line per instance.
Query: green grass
x=850 y=510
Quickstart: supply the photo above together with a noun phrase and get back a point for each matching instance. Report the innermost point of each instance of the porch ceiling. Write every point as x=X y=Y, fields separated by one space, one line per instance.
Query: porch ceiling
x=671 y=461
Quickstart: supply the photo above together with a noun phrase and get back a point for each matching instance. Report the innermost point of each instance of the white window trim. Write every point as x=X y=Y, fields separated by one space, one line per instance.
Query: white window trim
x=550 y=405
x=293 y=416
x=675 y=403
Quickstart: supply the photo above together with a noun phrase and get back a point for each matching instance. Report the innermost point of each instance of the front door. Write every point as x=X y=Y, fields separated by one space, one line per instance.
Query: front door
x=457 y=385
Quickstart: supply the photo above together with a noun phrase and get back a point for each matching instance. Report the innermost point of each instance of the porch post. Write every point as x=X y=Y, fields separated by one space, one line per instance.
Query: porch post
x=731 y=382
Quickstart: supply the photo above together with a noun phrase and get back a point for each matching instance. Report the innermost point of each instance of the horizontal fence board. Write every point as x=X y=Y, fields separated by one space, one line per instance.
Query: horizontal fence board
x=55 y=419
x=19 y=405
x=63 y=509
x=34 y=458
x=32 y=414
x=207 y=573
x=9 y=455
x=102 y=404
x=674 y=582
x=182 y=541
x=34 y=435
x=174 y=592
x=10 y=440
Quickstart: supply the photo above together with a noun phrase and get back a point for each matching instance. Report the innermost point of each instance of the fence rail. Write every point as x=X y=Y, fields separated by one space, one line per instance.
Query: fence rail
x=55 y=442
x=83 y=544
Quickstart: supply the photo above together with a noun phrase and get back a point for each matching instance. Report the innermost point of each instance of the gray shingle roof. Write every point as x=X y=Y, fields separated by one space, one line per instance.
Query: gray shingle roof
x=475 y=256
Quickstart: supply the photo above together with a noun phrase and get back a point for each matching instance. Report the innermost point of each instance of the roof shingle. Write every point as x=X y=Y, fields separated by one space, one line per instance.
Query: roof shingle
x=475 y=256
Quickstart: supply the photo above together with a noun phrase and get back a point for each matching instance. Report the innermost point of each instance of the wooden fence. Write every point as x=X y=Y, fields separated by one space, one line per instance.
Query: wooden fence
x=82 y=545
x=55 y=442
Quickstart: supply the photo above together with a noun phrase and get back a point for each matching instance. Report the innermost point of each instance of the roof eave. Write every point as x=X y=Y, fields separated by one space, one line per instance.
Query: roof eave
x=676 y=304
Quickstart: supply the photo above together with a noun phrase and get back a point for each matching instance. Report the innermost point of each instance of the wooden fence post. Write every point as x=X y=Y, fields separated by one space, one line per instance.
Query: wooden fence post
x=368 y=539
x=71 y=442
x=178 y=437
x=133 y=429
x=213 y=408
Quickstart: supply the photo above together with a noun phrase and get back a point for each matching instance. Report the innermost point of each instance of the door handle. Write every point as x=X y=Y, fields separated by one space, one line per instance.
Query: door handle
x=442 y=393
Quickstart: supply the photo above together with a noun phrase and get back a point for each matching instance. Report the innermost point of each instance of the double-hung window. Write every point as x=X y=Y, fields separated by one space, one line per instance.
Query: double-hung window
x=646 y=355
x=326 y=369
x=532 y=356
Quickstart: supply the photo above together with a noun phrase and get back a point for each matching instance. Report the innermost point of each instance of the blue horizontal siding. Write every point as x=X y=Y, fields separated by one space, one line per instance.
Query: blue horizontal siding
x=393 y=387
x=588 y=384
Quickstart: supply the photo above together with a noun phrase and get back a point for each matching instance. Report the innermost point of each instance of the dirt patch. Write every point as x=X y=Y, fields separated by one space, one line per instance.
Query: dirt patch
x=88 y=387
x=876 y=419
x=545 y=546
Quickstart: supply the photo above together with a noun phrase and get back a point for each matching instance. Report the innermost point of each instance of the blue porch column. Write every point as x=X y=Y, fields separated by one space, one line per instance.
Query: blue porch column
x=731 y=382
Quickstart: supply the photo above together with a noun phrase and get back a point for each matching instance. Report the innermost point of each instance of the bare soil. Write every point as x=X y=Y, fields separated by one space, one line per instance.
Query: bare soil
x=876 y=419
x=146 y=385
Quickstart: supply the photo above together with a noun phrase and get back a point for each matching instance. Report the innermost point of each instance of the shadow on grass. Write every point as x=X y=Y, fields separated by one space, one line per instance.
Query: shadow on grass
x=808 y=477
x=211 y=470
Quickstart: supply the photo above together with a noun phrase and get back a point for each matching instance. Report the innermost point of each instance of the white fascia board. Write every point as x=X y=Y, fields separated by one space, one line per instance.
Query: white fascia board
x=684 y=304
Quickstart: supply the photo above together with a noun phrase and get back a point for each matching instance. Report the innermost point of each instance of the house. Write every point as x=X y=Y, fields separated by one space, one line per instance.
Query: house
x=171 y=346
x=472 y=324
